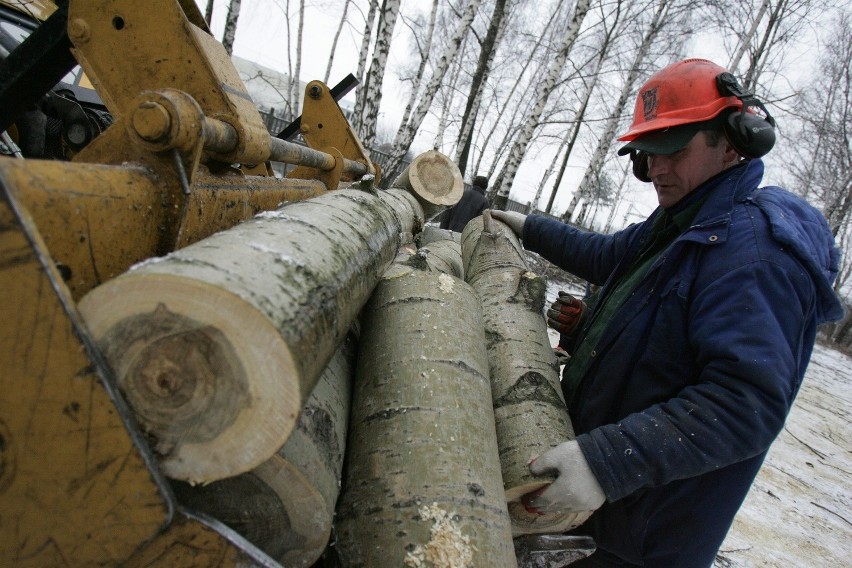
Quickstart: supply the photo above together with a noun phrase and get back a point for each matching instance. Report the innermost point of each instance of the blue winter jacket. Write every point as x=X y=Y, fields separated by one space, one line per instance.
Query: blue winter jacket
x=696 y=372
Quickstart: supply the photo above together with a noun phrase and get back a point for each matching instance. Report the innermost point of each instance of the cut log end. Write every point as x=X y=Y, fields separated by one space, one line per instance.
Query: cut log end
x=434 y=178
x=196 y=386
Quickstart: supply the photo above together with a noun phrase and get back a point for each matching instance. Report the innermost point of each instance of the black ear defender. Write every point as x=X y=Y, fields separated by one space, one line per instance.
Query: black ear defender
x=751 y=135
x=640 y=165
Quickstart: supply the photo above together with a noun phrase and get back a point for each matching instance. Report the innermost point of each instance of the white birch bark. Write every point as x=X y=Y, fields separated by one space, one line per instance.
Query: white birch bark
x=230 y=32
x=365 y=48
x=295 y=82
x=543 y=94
x=493 y=38
x=371 y=95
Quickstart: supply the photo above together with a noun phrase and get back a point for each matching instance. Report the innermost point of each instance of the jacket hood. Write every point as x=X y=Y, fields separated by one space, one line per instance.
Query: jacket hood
x=794 y=223
x=804 y=230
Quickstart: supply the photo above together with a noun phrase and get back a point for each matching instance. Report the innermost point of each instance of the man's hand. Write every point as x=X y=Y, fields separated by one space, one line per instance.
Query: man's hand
x=565 y=314
x=575 y=489
x=514 y=219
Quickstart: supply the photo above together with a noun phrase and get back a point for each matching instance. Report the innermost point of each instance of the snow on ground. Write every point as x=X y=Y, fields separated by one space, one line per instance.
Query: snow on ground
x=799 y=510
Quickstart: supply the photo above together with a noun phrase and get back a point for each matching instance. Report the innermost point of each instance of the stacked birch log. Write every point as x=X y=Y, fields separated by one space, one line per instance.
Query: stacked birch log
x=237 y=356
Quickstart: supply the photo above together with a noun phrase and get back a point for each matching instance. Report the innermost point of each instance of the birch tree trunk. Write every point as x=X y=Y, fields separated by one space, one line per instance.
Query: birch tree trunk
x=230 y=32
x=208 y=12
x=417 y=78
x=285 y=506
x=446 y=92
x=218 y=345
x=529 y=409
x=571 y=139
x=295 y=82
x=439 y=255
x=746 y=38
x=480 y=76
x=334 y=41
x=363 y=52
x=369 y=98
x=422 y=482
x=543 y=94
x=407 y=130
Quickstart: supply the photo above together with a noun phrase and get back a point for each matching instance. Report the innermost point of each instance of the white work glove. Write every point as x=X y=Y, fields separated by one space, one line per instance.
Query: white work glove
x=575 y=489
x=514 y=219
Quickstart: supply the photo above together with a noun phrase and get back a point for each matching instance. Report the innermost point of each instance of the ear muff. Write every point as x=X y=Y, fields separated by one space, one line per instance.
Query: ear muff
x=751 y=135
x=640 y=165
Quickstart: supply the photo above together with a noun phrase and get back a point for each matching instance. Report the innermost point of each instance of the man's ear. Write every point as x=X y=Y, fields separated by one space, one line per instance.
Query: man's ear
x=731 y=156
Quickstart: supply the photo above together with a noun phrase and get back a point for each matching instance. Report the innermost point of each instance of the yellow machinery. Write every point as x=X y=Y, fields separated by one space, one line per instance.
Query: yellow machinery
x=186 y=155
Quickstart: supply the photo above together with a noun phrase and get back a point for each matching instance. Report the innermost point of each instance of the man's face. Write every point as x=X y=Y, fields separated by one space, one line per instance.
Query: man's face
x=675 y=175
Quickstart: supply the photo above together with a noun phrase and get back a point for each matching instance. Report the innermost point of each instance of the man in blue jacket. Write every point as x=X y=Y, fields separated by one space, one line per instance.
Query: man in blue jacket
x=690 y=358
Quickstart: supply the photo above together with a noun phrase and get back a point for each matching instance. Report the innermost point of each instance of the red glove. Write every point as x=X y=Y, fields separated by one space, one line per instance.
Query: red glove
x=565 y=314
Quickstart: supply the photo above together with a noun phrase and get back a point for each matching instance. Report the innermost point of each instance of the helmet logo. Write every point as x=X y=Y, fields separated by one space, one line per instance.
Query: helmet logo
x=649 y=103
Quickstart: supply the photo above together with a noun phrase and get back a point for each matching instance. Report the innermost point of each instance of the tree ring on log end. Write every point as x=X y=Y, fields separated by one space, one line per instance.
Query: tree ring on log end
x=207 y=375
x=434 y=177
x=184 y=375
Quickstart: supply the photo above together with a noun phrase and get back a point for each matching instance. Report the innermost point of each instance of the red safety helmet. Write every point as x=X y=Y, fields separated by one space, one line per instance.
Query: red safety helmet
x=682 y=93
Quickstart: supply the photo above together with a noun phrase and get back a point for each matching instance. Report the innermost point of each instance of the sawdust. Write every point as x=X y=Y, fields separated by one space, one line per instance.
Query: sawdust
x=447 y=546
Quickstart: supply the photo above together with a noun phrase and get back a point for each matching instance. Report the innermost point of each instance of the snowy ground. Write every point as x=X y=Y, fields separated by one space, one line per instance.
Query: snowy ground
x=799 y=510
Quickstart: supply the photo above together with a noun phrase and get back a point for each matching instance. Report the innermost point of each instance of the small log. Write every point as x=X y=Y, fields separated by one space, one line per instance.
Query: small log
x=422 y=483
x=285 y=506
x=218 y=345
x=444 y=256
x=431 y=233
x=529 y=409
x=434 y=179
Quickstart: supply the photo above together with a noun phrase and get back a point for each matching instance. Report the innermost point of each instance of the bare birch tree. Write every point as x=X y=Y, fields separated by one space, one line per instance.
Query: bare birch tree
x=517 y=103
x=369 y=97
x=208 y=12
x=335 y=40
x=423 y=51
x=405 y=135
x=365 y=46
x=590 y=184
x=446 y=96
x=480 y=75
x=295 y=82
x=822 y=168
x=762 y=37
x=230 y=32
x=611 y=24
x=520 y=146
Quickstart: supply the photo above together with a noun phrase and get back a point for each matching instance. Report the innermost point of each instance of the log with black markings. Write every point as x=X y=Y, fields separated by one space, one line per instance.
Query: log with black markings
x=218 y=345
x=529 y=409
x=423 y=477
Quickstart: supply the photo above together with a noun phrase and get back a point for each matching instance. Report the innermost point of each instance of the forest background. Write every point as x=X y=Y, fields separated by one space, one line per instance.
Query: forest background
x=533 y=94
